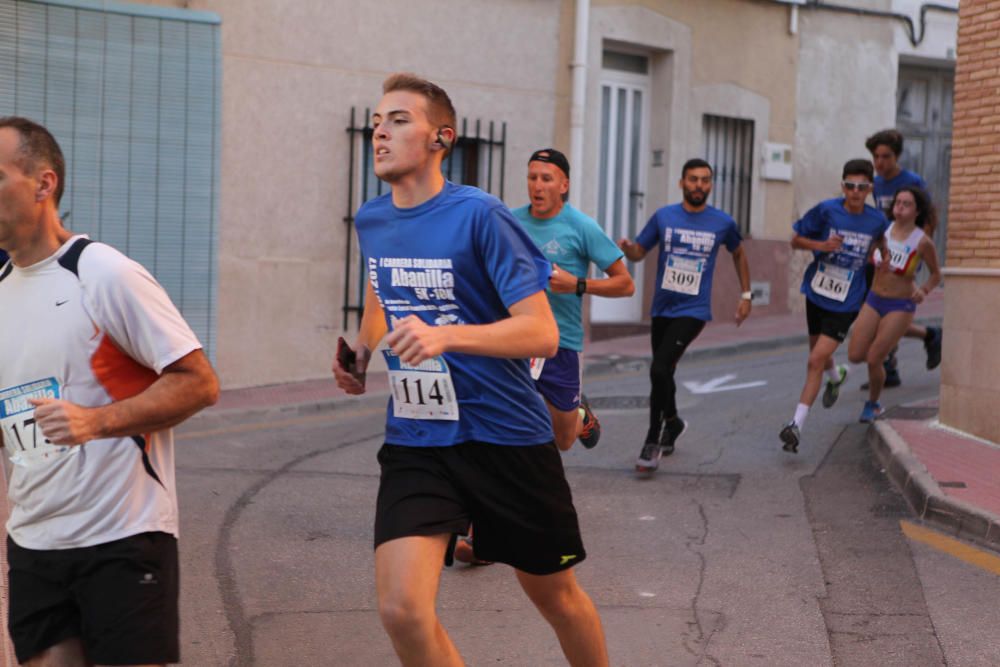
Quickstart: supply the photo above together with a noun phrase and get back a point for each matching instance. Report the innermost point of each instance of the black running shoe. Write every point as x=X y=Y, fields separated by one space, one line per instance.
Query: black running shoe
x=649 y=457
x=790 y=437
x=672 y=429
x=591 y=432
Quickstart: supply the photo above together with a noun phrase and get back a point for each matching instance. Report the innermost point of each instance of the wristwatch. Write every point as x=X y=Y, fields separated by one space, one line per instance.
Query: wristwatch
x=746 y=296
x=581 y=286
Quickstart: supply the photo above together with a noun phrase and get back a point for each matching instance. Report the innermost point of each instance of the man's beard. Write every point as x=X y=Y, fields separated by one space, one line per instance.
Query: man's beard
x=695 y=199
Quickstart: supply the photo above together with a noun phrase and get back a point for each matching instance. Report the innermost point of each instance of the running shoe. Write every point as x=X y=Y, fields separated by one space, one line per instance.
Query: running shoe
x=649 y=457
x=790 y=436
x=672 y=429
x=591 y=433
x=871 y=412
x=464 y=553
x=832 y=391
x=933 y=347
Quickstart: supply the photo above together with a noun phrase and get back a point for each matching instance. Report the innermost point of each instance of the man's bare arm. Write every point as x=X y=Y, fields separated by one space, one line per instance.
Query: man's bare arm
x=185 y=387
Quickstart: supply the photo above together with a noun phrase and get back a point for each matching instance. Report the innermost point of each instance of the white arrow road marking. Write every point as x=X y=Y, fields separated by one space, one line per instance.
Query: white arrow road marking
x=719 y=384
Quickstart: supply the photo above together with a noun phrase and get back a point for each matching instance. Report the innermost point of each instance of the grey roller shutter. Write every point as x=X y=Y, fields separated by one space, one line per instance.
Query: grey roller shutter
x=131 y=92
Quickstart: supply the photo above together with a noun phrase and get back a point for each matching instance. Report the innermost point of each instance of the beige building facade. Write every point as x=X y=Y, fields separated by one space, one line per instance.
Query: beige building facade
x=771 y=92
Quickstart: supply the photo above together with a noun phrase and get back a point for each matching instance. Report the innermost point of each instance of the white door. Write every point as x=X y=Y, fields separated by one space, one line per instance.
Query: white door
x=621 y=182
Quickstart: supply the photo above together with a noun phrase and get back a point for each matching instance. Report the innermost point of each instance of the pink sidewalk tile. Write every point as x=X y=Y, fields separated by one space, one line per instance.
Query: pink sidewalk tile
x=953 y=460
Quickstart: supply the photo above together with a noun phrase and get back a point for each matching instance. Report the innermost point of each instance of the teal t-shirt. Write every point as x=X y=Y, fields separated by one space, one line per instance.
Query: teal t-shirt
x=572 y=240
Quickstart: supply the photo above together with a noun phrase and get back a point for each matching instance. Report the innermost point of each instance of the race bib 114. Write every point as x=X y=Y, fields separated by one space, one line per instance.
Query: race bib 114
x=424 y=391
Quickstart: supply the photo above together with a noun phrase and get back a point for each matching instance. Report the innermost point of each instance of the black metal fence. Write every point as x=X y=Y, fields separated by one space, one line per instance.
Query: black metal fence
x=478 y=158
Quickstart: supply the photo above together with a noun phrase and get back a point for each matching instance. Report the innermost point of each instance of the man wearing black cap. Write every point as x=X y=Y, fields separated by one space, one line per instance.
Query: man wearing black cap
x=571 y=241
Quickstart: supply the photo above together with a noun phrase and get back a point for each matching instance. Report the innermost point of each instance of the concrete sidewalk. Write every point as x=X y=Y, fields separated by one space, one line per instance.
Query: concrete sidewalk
x=948 y=478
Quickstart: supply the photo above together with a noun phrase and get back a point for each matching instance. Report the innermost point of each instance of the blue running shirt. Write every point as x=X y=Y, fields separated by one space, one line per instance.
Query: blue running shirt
x=572 y=240
x=459 y=258
x=884 y=190
x=689 y=243
x=841 y=286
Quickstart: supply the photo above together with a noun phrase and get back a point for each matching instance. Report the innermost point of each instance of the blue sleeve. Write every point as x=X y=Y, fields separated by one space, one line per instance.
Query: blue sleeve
x=813 y=224
x=514 y=265
x=650 y=234
x=601 y=250
x=733 y=238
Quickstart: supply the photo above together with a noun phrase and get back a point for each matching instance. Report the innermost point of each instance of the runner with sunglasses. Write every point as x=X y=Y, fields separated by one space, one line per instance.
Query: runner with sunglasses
x=841 y=234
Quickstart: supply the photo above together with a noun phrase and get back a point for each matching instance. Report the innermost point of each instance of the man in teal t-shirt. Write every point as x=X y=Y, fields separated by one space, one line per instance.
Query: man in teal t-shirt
x=571 y=241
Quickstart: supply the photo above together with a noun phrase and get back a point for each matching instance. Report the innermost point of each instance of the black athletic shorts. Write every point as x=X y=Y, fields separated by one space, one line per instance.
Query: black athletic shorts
x=119 y=598
x=827 y=322
x=516 y=496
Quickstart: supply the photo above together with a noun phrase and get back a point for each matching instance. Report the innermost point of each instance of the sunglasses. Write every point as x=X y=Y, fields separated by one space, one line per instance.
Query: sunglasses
x=854 y=185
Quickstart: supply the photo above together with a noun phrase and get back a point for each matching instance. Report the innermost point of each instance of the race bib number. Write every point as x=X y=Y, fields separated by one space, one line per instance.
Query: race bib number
x=535 y=365
x=424 y=391
x=833 y=282
x=683 y=275
x=897 y=259
x=23 y=440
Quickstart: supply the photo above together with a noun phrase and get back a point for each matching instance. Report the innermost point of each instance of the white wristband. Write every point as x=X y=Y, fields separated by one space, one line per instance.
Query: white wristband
x=747 y=296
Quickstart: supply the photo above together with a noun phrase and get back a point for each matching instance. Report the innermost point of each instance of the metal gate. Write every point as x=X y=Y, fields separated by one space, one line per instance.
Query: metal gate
x=478 y=159
x=924 y=101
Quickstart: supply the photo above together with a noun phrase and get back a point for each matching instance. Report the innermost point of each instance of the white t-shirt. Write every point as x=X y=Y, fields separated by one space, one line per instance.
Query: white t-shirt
x=93 y=337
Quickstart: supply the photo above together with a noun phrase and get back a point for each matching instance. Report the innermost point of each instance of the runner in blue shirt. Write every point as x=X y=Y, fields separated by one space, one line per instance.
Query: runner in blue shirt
x=886 y=147
x=456 y=289
x=571 y=241
x=688 y=236
x=841 y=233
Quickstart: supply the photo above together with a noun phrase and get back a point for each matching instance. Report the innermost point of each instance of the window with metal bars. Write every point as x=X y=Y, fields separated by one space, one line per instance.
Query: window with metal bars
x=729 y=149
x=131 y=93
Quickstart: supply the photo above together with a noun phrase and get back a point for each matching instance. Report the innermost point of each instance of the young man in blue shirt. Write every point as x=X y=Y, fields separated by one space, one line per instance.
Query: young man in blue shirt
x=841 y=233
x=886 y=147
x=571 y=241
x=688 y=235
x=456 y=288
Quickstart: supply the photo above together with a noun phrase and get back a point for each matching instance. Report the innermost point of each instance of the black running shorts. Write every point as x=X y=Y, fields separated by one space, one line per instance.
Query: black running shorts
x=119 y=598
x=516 y=496
x=827 y=322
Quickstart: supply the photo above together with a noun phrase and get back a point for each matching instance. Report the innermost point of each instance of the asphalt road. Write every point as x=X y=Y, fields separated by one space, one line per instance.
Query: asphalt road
x=734 y=553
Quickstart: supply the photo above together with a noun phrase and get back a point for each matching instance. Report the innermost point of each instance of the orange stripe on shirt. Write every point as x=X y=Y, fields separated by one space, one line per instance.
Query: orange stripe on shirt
x=120 y=375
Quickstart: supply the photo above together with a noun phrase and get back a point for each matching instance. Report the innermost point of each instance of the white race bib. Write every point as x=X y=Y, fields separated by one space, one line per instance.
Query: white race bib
x=833 y=282
x=424 y=391
x=683 y=275
x=24 y=442
x=535 y=365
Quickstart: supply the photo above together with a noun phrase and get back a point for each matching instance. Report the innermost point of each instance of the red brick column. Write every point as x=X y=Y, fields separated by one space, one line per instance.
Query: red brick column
x=970 y=375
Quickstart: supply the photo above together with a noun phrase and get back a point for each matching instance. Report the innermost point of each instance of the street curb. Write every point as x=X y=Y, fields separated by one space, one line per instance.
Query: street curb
x=626 y=363
x=957 y=517
x=599 y=365
x=217 y=416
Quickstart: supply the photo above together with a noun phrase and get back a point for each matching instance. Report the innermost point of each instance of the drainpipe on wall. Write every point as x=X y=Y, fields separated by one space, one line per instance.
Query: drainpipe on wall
x=578 y=97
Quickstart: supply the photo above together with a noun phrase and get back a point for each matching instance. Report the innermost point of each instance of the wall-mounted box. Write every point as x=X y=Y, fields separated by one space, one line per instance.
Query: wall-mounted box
x=777 y=162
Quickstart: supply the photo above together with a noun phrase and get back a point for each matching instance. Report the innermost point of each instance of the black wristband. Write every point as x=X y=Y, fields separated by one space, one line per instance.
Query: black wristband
x=581 y=286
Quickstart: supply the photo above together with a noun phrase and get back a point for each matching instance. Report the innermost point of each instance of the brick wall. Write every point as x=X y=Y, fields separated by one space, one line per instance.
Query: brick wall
x=974 y=212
